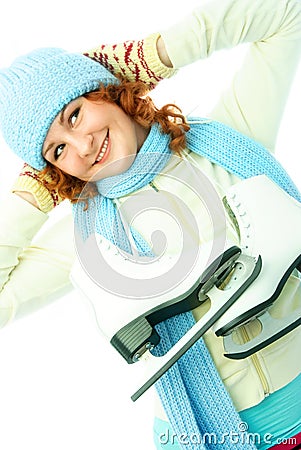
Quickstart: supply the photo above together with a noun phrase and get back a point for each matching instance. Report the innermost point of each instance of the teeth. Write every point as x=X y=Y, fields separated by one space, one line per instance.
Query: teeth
x=103 y=150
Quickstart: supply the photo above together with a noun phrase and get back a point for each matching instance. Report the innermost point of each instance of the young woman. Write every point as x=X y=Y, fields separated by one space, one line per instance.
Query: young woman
x=84 y=136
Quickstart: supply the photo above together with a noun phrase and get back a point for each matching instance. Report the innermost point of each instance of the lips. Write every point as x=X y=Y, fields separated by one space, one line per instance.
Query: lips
x=103 y=149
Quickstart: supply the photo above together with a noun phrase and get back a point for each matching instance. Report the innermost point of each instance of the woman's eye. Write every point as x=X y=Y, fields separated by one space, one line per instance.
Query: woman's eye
x=58 y=151
x=74 y=116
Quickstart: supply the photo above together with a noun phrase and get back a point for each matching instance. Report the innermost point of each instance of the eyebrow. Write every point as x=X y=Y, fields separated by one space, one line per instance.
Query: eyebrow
x=61 y=121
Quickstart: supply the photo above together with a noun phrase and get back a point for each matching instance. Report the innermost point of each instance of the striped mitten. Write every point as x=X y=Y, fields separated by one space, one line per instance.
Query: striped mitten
x=134 y=60
x=29 y=180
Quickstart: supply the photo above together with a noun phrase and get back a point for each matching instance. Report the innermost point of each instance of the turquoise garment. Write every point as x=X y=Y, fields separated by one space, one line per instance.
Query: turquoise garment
x=276 y=418
x=278 y=415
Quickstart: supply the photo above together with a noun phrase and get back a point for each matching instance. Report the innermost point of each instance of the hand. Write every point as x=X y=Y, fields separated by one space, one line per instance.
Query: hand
x=162 y=52
x=145 y=60
x=28 y=197
x=32 y=187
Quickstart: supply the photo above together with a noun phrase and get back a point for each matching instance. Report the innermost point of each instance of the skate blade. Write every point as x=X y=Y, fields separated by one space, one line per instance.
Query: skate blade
x=156 y=366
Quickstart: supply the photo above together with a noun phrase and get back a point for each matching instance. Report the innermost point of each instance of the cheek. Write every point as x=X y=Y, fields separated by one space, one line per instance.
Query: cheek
x=71 y=166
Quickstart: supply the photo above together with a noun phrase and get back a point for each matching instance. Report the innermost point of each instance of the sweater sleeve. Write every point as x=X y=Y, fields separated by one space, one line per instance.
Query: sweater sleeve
x=255 y=100
x=33 y=270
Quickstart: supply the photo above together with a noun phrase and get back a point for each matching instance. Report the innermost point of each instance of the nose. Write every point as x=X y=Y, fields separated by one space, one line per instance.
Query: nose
x=82 y=144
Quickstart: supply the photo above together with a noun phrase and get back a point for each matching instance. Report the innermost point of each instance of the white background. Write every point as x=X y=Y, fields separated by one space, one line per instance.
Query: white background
x=61 y=386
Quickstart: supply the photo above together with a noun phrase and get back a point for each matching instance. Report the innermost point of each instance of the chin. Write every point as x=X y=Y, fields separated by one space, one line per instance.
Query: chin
x=123 y=166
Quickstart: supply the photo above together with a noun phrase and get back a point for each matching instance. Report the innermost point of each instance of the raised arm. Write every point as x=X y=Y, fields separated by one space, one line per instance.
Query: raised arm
x=255 y=101
x=33 y=271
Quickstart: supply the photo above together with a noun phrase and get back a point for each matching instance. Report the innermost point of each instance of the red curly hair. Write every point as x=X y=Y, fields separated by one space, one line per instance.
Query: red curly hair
x=132 y=98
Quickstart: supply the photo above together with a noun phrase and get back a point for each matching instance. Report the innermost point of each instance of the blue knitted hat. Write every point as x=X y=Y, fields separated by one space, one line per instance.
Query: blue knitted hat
x=35 y=88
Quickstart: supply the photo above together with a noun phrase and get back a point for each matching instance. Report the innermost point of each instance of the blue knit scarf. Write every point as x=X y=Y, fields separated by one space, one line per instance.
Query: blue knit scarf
x=193 y=395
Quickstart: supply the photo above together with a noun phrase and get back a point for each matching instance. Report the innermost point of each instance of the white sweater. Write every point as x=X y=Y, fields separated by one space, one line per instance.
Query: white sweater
x=253 y=104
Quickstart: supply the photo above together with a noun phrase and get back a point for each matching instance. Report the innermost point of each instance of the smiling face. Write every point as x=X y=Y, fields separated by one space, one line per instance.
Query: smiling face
x=92 y=140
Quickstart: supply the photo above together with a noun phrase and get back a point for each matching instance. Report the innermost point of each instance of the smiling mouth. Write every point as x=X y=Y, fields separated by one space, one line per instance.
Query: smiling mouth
x=103 y=149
